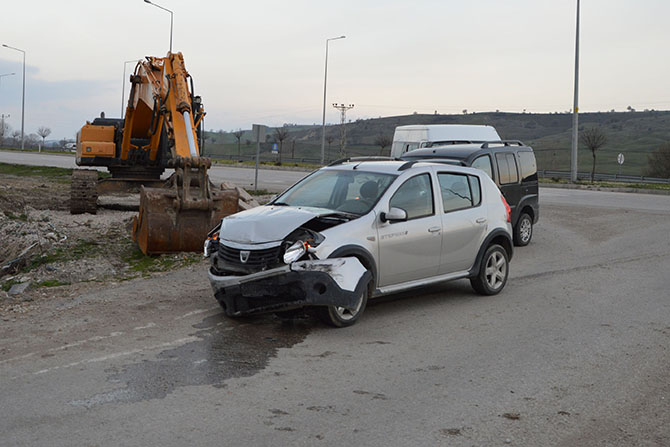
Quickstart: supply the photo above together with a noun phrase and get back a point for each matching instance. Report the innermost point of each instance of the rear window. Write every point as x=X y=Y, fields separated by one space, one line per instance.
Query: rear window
x=528 y=166
x=507 y=170
x=459 y=191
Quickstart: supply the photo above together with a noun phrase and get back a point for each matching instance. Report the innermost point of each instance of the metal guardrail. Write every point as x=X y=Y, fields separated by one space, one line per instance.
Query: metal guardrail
x=604 y=177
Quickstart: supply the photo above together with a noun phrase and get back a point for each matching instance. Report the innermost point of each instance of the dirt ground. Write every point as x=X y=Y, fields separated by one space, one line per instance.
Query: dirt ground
x=61 y=255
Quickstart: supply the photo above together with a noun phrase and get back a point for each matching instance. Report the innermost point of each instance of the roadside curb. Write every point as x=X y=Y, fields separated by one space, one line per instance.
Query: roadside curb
x=659 y=192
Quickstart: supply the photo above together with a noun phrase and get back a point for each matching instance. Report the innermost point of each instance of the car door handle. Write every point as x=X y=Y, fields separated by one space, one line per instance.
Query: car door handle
x=434 y=229
x=481 y=220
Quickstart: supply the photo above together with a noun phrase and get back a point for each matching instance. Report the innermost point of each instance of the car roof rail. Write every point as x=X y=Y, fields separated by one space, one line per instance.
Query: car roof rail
x=361 y=159
x=503 y=142
x=444 y=161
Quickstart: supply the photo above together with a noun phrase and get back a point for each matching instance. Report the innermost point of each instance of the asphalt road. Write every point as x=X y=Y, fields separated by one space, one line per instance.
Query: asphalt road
x=574 y=352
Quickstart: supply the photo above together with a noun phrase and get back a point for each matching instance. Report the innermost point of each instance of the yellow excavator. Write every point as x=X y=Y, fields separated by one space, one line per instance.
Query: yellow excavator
x=162 y=129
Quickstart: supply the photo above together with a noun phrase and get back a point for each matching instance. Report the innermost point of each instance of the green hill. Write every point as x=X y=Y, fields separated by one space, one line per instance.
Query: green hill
x=635 y=134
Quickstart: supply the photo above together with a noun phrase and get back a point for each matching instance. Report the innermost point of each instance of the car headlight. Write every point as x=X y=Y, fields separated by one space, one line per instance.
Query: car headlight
x=209 y=245
x=295 y=252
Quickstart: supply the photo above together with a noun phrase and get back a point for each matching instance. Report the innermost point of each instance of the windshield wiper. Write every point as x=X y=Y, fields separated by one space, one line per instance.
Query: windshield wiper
x=279 y=204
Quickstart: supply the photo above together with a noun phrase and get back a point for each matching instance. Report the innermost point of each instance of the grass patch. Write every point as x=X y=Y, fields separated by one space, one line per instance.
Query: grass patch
x=603 y=184
x=22 y=217
x=52 y=283
x=81 y=250
x=252 y=163
x=8 y=284
x=35 y=171
x=143 y=264
x=259 y=192
x=60 y=175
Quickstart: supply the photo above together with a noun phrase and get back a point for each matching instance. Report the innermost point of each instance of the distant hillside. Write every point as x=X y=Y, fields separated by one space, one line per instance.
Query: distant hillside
x=635 y=134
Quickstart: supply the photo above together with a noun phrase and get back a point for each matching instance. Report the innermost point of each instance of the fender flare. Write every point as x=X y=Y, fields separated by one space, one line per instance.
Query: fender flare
x=509 y=247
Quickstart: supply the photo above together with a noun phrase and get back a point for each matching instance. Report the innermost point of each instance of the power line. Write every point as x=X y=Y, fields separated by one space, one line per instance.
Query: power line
x=343 y=127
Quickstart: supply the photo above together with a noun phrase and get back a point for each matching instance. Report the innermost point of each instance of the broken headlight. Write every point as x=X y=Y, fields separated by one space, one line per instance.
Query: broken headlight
x=295 y=252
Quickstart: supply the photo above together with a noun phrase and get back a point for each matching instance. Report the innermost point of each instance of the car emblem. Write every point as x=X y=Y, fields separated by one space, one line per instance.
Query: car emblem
x=244 y=256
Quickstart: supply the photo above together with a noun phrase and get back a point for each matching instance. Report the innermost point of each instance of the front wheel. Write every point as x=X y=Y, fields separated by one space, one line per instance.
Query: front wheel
x=493 y=272
x=342 y=317
x=523 y=231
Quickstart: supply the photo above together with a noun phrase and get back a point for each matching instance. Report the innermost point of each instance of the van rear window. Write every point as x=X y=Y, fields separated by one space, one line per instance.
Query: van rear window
x=528 y=166
x=507 y=170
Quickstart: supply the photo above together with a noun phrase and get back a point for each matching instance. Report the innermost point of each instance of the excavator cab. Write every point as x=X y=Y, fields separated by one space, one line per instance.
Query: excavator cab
x=161 y=130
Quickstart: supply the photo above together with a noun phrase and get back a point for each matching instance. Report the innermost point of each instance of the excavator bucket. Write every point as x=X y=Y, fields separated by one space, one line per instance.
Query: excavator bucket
x=178 y=218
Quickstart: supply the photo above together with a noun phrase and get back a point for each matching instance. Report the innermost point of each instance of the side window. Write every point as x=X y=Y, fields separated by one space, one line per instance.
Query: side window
x=457 y=192
x=507 y=172
x=513 y=171
x=528 y=166
x=476 y=189
x=483 y=163
x=415 y=196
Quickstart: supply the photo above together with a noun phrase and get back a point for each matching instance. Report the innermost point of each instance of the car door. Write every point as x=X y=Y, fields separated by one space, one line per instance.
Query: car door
x=464 y=220
x=410 y=249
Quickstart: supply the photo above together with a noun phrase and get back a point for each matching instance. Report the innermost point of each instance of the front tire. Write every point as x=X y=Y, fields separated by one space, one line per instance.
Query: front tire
x=341 y=317
x=493 y=271
x=523 y=232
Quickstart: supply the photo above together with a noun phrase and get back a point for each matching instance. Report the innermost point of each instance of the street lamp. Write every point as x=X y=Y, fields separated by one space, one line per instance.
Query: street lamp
x=23 y=97
x=123 y=89
x=325 y=80
x=575 y=110
x=6 y=74
x=171 y=17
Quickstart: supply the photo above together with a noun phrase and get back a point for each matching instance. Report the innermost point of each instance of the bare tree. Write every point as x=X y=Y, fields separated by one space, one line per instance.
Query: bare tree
x=382 y=141
x=281 y=133
x=43 y=132
x=593 y=138
x=5 y=129
x=238 y=134
x=659 y=162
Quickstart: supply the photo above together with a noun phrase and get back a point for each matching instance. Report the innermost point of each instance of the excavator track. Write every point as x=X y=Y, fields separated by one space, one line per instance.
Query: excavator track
x=83 y=192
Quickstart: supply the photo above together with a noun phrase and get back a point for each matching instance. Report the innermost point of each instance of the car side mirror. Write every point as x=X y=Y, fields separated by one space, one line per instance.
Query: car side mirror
x=394 y=215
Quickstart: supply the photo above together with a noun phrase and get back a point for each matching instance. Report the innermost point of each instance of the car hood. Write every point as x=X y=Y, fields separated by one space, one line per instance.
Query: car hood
x=266 y=223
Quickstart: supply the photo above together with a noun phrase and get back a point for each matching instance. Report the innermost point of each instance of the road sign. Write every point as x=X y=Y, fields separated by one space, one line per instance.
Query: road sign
x=275 y=148
x=620 y=158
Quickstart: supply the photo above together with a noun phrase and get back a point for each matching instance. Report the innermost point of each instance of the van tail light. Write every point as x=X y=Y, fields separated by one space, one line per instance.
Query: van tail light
x=508 y=210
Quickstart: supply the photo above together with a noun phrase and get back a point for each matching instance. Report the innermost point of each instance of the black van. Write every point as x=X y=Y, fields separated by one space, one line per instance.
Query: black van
x=510 y=164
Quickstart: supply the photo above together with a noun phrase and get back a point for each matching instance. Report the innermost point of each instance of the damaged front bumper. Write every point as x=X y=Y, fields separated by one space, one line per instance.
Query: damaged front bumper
x=329 y=282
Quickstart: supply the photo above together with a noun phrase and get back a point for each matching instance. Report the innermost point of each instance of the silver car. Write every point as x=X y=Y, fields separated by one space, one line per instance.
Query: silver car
x=358 y=229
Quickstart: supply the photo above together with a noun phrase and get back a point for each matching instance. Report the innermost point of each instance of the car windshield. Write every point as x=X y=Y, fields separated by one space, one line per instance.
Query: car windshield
x=345 y=191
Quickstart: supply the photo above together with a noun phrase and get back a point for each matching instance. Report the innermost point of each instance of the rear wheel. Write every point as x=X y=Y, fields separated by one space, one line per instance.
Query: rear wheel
x=523 y=231
x=493 y=272
x=342 y=317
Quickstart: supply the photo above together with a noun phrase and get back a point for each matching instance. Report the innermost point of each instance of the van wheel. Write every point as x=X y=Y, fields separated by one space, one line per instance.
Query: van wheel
x=493 y=271
x=340 y=316
x=523 y=232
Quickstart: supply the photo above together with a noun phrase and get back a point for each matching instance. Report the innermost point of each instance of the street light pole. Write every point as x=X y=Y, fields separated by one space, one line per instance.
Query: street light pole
x=325 y=80
x=6 y=74
x=23 y=96
x=575 y=110
x=123 y=88
x=171 y=19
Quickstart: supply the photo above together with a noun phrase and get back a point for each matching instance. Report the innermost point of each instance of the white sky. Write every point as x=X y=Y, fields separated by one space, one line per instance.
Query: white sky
x=262 y=61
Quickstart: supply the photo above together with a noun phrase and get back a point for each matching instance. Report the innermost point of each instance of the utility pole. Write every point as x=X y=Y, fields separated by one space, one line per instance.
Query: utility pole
x=575 y=110
x=325 y=81
x=343 y=125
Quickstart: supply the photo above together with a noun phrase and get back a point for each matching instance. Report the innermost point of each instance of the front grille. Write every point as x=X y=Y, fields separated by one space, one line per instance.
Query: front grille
x=258 y=259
